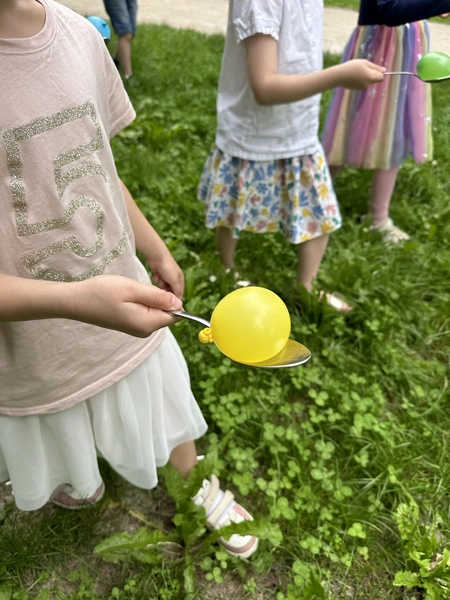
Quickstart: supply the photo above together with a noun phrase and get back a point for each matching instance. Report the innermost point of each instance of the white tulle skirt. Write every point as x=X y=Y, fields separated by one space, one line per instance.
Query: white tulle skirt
x=134 y=424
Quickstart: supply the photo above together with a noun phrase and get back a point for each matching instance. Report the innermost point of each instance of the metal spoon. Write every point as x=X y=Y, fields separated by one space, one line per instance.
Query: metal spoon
x=292 y=355
x=438 y=80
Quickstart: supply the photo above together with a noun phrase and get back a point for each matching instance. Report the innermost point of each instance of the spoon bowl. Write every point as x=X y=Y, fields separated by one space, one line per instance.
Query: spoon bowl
x=292 y=355
x=433 y=67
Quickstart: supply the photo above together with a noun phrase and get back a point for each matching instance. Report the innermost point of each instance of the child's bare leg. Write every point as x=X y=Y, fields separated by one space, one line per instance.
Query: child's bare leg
x=184 y=458
x=123 y=54
x=334 y=172
x=310 y=256
x=383 y=184
x=226 y=246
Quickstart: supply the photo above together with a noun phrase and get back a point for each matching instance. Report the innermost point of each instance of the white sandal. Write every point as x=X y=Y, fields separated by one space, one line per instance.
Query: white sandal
x=390 y=232
x=222 y=510
x=80 y=501
x=336 y=302
x=238 y=282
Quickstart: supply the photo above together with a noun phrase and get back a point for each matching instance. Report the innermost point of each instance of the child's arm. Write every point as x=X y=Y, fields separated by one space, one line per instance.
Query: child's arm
x=399 y=12
x=271 y=87
x=166 y=273
x=107 y=301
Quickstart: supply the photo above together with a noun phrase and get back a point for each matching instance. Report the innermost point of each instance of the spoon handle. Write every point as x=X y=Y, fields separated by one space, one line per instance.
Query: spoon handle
x=185 y=315
x=400 y=73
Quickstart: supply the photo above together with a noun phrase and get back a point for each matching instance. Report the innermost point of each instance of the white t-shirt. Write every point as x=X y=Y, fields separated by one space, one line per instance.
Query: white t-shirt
x=62 y=213
x=246 y=129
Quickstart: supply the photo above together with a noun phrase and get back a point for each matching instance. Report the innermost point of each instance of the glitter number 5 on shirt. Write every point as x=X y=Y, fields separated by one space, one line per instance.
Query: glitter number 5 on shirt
x=32 y=261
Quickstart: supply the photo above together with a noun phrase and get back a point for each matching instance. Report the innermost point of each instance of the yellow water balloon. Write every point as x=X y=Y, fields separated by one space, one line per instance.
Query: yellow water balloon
x=250 y=325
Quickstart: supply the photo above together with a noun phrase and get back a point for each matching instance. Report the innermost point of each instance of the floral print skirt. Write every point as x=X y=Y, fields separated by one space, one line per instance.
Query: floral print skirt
x=293 y=195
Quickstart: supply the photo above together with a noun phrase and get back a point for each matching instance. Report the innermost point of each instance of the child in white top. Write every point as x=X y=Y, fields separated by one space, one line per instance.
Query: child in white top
x=268 y=171
x=72 y=383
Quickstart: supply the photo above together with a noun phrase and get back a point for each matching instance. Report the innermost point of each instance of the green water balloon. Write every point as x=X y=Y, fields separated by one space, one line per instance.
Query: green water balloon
x=434 y=66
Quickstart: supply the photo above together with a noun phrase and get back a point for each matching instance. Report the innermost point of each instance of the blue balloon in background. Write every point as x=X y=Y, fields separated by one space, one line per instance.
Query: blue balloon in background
x=101 y=26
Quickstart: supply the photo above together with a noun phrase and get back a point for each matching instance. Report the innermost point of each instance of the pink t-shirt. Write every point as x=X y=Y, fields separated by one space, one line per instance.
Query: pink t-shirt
x=62 y=213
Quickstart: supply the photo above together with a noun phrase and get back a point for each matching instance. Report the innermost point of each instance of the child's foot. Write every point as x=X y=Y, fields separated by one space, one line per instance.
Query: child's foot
x=238 y=281
x=222 y=510
x=130 y=81
x=336 y=302
x=69 y=498
x=390 y=232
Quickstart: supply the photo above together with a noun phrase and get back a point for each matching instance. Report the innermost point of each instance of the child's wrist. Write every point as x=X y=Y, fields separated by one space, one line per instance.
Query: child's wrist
x=154 y=259
x=42 y=299
x=62 y=300
x=335 y=76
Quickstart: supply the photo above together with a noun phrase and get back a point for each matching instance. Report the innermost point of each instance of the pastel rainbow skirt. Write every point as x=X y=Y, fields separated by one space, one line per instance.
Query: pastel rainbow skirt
x=383 y=126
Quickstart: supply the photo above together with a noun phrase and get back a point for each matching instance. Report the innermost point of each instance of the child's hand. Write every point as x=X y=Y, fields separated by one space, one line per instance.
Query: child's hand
x=166 y=273
x=122 y=304
x=445 y=15
x=359 y=74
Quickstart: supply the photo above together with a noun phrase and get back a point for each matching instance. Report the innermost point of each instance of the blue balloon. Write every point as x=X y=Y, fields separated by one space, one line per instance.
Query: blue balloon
x=101 y=26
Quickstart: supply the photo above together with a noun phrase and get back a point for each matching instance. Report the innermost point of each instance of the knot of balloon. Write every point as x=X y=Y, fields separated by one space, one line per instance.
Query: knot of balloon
x=205 y=336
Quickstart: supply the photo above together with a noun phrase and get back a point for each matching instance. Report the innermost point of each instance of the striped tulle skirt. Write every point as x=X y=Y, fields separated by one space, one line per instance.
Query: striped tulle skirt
x=380 y=127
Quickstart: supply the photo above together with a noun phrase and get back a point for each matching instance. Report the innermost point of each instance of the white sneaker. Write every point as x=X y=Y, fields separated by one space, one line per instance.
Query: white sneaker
x=391 y=233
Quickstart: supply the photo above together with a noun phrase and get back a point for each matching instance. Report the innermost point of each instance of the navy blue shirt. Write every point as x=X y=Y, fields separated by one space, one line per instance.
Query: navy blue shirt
x=399 y=12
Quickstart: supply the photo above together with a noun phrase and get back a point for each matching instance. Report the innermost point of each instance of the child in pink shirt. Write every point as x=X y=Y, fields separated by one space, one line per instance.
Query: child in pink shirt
x=87 y=364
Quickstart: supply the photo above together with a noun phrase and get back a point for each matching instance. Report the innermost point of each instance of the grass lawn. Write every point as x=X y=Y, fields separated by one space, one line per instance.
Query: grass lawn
x=344 y=456
x=352 y=4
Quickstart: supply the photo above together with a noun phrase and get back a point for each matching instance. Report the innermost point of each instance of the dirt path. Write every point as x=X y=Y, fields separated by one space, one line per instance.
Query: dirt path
x=210 y=16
